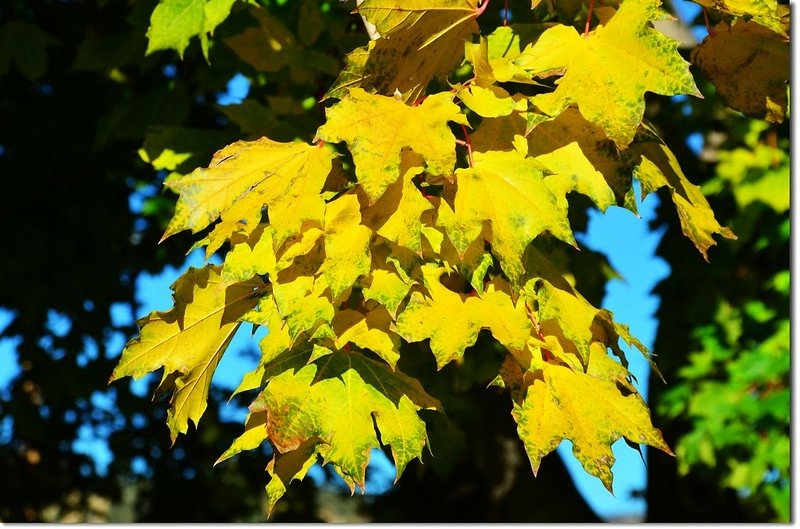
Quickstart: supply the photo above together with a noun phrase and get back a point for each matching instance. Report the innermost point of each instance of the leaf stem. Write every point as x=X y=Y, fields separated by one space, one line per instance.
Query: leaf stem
x=710 y=30
x=467 y=141
x=482 y=8
x=588 y=19
x=505 y=13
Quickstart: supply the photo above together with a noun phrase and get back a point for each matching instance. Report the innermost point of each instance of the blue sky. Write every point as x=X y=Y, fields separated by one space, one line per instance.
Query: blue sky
x=619 y=234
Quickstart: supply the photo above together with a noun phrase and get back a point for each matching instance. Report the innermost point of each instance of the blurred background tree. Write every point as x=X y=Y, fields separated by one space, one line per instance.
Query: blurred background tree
x=89 y=129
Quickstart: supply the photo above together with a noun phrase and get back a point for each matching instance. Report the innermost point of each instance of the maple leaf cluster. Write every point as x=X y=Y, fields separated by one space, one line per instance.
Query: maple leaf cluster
x=426 y=216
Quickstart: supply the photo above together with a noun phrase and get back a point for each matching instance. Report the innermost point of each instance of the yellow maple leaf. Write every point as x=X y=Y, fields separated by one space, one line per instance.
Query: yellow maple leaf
x=452 y=321
x=659 y=168
x=593 y=409
x=368 y=331
x=635 y=57
x=507 y=190
x=246 y=176
x=378 y=128
x=347 y=253
x=387 y=288
x=366 y=393
x=768 y=13
x=189 y=340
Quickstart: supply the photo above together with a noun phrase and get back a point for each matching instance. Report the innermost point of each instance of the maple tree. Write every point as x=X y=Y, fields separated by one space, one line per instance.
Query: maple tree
x=398 y=225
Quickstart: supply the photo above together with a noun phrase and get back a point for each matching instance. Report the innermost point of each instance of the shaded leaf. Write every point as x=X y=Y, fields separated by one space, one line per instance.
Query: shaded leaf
x=749 y=65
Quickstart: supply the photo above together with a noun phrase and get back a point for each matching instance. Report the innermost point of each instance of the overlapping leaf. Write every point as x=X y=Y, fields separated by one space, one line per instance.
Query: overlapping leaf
x=593 y=409
x=659 y=168
x=189 y=340
x=635 y=58
x=507 y=190
x=452 y=321
x=378 y=128
x=768 y=13
x=749 y=65
x=369 y=396
x=246 y=176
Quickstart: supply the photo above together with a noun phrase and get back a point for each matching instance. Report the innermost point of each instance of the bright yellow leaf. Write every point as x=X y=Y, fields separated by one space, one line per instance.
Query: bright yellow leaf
x=246 y=176
x=189 y=340
x=592 y=409
x=368 y=331
x=768 y=13
x=635 y=59
x=377 y=128
x=397 y=215
x=347 y=253
x=298 y=406
x=659 y=168
x=507 y=190
x=452 y=321
x=489 y=102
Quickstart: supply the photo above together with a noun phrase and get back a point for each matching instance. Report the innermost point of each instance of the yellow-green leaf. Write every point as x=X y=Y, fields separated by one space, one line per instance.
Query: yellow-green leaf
x=768 y=13
x=251 y=257
x=378 y=128
x=340 y=399
x=347 y=253
x=507 y=190
x=397 y=215
x=592 y=409
x=659 y=168
x=452 y=321
x=634 y=59
x=387 y=288
x=572 y=171
x=493 y=57
x=400 y=63
x=489 y=102
x=368 y=331
x=245 y=176
x=174 y=23
x=255 y=433
x=189 y=340
x=302 y=303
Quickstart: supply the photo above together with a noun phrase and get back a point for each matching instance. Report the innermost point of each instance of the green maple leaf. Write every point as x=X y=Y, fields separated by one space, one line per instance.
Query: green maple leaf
x=593 y=409
x=378 y=128
x=174 y=23
x=26 y=45
x=189 y=340
x=635 y=58
x=507 y=190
